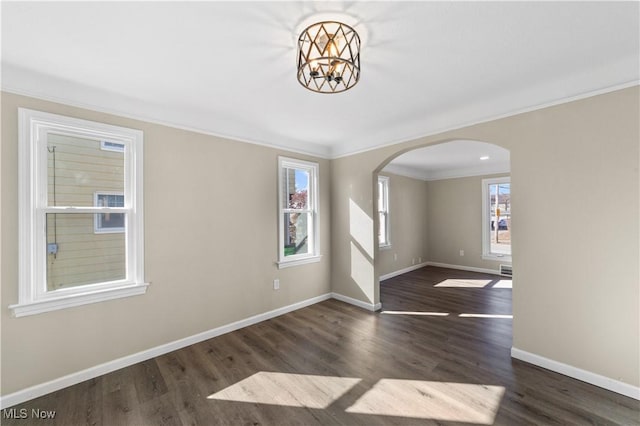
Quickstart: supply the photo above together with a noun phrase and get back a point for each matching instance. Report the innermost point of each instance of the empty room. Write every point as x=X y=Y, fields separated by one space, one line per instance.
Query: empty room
x=350 y=213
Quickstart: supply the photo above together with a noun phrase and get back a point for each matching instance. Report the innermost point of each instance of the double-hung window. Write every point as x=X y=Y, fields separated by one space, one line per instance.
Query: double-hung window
x=383 y=211
x=81 y=230
x=496 y=219
x=298 y=212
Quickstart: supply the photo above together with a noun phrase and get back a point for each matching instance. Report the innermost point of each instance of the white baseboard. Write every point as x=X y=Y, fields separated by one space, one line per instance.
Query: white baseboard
x=403 y=271
x=92 y=372
x=356 y=302
x=464 y=268
x=577 y=373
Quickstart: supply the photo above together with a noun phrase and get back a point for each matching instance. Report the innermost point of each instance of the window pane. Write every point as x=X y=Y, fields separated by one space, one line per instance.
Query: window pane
x=76 y=255
x=382 y=230
x=78 y=168
x=296 y=188
x=296 y=233
x=500 y=218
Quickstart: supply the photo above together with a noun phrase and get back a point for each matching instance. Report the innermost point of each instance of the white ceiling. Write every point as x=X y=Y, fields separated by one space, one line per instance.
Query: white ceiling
x=229 y=68
x=451 y=160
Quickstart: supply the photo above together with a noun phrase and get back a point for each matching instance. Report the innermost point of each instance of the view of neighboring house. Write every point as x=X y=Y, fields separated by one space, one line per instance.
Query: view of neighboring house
x=84 y=248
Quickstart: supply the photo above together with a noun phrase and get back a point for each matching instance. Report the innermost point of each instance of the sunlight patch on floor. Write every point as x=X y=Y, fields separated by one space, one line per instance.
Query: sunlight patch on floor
x=291 y=390
x=503 y=284
x=463 y=283
x=455 y=402
x=431 y=314
x=485 y=316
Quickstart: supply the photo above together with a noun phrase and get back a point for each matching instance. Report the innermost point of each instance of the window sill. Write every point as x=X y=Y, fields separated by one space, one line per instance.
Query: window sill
x=506 y=259
x=40 y=306
x=297 y=262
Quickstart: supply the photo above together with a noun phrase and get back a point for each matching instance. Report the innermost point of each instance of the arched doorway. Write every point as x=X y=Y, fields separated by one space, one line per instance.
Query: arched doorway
x=446 y=205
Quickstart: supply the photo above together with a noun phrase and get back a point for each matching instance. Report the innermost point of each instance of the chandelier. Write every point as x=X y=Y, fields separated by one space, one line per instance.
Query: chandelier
x=329 y=57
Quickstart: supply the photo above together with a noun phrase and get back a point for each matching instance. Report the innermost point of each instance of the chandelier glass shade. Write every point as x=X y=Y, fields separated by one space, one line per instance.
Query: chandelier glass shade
x=329 y=57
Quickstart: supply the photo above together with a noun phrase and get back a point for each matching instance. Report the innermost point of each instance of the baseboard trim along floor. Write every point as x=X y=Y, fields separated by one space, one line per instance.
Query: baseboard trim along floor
x=578 y=373
x=107 y=367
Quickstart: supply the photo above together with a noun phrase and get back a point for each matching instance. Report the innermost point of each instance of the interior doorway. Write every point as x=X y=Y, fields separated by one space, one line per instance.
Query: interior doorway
x=446 y=205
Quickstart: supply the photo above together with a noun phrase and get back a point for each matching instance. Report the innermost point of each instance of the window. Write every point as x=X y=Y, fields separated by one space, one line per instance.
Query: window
x=81 y=230
x=298 y=212
x=383 y=211
x=108 y=222
x=496 y=219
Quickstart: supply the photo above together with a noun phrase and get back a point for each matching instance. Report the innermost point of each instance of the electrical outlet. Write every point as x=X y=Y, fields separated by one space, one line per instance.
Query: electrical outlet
x=276 y=284
x=461 y=252
x=420 y=260
x=413 y=261
x=395 y=256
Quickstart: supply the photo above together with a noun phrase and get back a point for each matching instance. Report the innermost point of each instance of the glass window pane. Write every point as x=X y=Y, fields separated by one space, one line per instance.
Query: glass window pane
x=382 y=230
x=76 y=255
x=500 y=218
x=295 y=188
x=296 y=233
x=78 y=168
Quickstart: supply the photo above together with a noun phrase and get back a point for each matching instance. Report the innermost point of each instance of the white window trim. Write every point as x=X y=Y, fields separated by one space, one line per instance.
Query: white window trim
x=385 y=196
x=486 y=240
x=33 y=298
x=97 y=222
x=313 y=208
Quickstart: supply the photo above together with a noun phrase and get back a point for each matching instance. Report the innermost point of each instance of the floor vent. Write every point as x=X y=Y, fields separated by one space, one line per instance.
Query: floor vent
x=506 y=270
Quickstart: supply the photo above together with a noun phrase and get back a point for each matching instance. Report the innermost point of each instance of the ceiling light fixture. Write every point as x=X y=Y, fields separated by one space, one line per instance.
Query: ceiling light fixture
x=484 y=157
x=329 y=57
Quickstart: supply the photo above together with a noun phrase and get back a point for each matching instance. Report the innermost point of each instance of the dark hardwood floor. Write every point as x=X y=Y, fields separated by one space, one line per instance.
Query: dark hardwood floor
x=438 y=353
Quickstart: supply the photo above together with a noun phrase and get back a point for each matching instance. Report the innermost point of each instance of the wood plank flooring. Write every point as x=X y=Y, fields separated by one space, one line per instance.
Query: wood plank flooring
x=427 y=358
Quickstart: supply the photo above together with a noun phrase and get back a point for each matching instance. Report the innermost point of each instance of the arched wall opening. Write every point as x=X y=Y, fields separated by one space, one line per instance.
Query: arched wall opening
x=445 y=203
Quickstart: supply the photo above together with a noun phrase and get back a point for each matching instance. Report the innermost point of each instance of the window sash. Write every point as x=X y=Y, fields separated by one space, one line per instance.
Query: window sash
x=383 y=211
x=311 y=209
x=33 y=297
x=487 y=233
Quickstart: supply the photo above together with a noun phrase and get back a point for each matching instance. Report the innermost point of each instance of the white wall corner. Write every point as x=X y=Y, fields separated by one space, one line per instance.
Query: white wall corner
x=356 y=302
x=403 y=271
x=577 y=373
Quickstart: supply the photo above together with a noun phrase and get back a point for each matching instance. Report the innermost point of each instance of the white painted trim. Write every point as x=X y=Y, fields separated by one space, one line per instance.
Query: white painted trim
x=126 y=105
x=465 y=268
x=298 y=262
x=335 y=155
x=403 y=271
x=434 y=175
x=33 y=296
x=577 y=373
x=357 y=302
x=109 y=366
x=21 y=78
x=71 y=300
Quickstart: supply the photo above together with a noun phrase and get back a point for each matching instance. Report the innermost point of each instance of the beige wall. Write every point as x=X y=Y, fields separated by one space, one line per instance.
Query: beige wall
x=209 y=263
x=407 y=224
x=455 y=222
x=210 y=248
x=577 y=295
